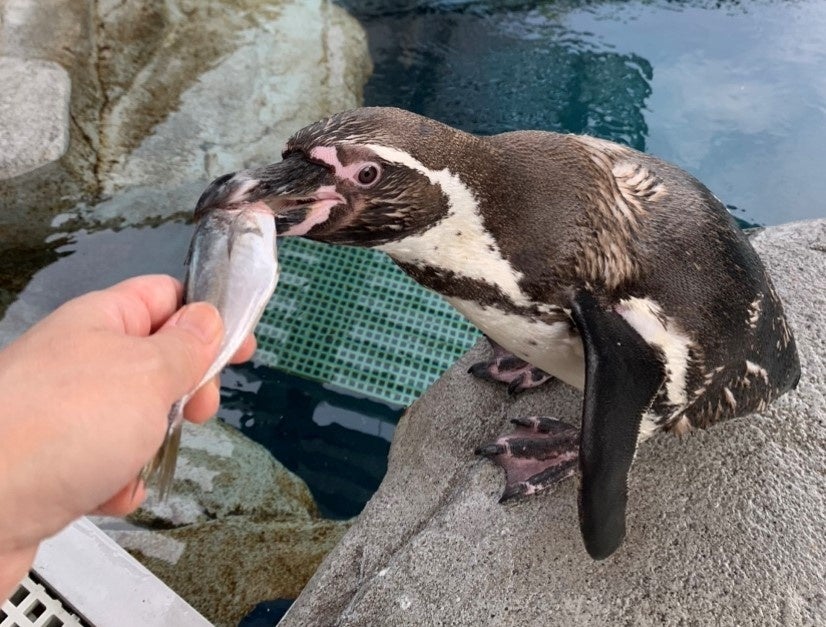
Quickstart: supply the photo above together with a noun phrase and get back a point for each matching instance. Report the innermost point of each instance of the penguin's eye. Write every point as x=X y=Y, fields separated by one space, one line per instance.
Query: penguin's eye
x=369 y=174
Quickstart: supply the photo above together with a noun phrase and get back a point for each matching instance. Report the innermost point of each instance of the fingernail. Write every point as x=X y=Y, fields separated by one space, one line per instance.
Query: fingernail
x=202 y=320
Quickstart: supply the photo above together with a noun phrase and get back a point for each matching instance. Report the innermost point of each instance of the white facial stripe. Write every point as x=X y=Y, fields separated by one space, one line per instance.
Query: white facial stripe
x=459 y=243
x=645 y=316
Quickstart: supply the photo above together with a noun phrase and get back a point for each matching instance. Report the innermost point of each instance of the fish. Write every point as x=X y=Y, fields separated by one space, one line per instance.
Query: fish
x=233 y=264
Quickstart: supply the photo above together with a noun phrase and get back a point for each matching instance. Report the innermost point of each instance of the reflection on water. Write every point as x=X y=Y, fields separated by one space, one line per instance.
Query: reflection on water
x=733 y=92
x=501 y=71
x=335 y=441
x=79 y=262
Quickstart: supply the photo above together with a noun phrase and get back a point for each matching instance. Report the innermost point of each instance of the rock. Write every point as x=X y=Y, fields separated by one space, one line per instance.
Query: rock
x=237 y=529
x=32 y=136
x=724 y=526
x=227 y=567
x=61 y=32
x=205 y=88
x=223 y=473
x=166 y=96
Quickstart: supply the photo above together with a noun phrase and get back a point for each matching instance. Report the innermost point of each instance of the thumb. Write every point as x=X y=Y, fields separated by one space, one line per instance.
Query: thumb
x=188 y=343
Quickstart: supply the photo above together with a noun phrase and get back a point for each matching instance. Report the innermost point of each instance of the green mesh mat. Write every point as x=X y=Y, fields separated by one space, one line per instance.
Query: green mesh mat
x=350 y=317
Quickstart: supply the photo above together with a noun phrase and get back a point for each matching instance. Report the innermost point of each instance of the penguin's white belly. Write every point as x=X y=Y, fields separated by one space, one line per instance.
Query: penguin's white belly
x=554 y=347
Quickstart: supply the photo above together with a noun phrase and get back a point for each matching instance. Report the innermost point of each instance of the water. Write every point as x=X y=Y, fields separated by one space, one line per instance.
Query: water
x=336 y=441
x=734 y=92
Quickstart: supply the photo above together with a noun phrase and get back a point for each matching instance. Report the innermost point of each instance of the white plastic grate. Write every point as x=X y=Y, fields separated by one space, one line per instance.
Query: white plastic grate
x=105 y=585
x=34 y=605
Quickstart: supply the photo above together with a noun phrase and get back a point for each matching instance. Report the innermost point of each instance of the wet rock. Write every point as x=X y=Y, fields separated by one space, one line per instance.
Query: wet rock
x=197 y=89
x=32 y=136
x=222 y=473
x=227 y=567
x=169 y=95
x=61 y=32
x=237 y=529
x=725 y=526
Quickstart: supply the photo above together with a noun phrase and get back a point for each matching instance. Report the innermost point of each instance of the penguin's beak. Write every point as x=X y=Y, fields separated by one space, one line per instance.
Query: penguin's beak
x=299 y=193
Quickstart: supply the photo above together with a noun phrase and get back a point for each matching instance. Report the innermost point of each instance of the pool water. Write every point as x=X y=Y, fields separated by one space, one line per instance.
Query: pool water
x=734 y=92
x=335 y=440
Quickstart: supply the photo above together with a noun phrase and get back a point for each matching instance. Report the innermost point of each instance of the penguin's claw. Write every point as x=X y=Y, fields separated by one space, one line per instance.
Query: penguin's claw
x=540 y=453
x=508 y=368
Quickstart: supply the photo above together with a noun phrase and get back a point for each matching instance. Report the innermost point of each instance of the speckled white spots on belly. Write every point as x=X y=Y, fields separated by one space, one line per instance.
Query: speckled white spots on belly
x=753 y=368
x=555 y=347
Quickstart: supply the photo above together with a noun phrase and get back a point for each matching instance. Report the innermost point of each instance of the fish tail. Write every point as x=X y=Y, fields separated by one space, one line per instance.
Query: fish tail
x=161 y=469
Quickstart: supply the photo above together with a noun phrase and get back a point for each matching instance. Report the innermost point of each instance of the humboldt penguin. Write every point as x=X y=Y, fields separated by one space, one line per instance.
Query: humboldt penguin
x=580 y=259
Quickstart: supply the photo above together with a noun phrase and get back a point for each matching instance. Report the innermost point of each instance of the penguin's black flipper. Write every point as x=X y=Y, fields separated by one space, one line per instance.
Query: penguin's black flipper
x=623 y=373
x=508 y=368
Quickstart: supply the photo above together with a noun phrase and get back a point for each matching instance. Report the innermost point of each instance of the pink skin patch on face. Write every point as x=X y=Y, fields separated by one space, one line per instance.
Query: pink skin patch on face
x=326 y=198
x=328 y=155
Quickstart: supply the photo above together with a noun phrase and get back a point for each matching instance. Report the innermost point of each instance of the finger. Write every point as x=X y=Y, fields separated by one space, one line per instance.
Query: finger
x=204 y=403
x=245 y=351
x=146 y=302
x=137 y=306
x=126 y=501
x=187 y=345
x=15 y=565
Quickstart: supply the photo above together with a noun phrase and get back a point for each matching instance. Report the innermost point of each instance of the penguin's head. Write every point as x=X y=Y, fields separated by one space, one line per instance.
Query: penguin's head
x=363 y=177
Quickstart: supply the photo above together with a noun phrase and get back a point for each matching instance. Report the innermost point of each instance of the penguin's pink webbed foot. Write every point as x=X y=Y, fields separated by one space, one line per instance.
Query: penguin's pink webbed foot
x=508 y=368
x=540 y=453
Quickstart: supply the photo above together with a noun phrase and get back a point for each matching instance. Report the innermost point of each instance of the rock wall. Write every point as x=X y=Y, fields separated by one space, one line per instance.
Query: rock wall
x=163 y=95
x=40 y=183
x=237 y=528
x=725 y=526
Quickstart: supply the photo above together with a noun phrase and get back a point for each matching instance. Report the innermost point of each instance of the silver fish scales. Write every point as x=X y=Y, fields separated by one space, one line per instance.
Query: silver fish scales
x=232 y=264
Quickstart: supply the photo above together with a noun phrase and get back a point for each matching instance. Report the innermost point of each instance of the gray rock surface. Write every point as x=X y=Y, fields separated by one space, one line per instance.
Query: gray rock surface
x=170 y=94
x=34 y=114
x=62 y=32
x=725 y=526
x=198 y=89
x=237 y=528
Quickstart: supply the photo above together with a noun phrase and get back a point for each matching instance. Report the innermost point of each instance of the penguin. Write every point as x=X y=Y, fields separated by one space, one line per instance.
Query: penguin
x=579 y=258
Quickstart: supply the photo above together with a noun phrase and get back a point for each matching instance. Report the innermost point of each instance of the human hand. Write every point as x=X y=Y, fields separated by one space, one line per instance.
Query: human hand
x=86 y=393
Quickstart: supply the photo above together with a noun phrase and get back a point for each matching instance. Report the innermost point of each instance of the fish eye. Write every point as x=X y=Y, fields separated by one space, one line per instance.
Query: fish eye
x=369 y=174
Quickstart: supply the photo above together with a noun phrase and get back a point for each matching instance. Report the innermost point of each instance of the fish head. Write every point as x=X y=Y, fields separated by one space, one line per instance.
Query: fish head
x=356 y=178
